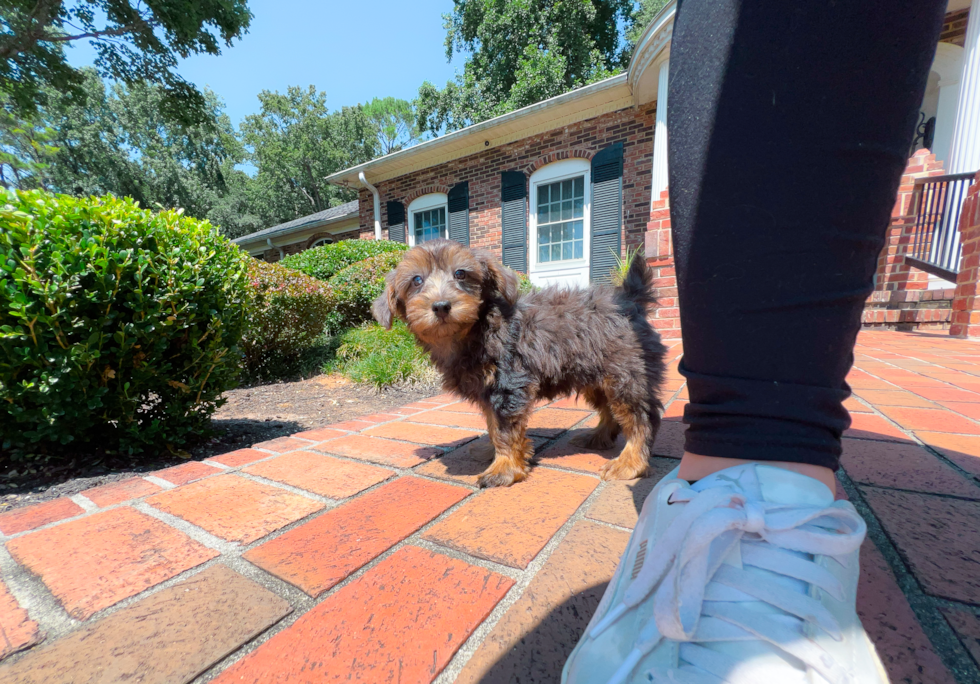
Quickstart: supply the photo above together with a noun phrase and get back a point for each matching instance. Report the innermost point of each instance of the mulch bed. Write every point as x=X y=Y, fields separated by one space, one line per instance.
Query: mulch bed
x=251 y=415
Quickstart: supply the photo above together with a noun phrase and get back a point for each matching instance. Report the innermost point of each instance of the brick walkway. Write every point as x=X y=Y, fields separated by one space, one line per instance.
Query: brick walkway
x=363 y=551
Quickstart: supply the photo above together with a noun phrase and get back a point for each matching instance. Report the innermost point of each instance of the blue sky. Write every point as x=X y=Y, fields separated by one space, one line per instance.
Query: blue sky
x=354 y=51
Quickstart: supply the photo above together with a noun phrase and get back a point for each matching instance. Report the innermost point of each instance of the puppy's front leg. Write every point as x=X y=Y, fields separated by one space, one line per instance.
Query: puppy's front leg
x=512 y=450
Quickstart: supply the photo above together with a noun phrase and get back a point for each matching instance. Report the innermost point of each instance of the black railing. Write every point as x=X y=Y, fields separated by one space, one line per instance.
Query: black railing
x=936 y=203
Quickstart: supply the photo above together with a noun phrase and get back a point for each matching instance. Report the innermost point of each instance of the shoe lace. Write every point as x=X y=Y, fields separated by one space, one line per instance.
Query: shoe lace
x=693 y=598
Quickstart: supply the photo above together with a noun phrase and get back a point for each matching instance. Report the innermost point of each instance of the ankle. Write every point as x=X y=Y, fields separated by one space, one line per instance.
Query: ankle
x=695 y=467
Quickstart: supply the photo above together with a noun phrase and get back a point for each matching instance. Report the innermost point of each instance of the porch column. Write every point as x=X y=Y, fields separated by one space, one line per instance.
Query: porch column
x=964 y=153
x=660 y=137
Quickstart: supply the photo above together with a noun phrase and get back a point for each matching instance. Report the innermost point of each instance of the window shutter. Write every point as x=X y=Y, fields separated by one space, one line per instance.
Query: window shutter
x=459 y=213
x=513 y=229
x=607 y=212
x=396 y=222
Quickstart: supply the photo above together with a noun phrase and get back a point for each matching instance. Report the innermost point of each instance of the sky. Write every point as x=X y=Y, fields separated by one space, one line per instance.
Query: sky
x=354 y=51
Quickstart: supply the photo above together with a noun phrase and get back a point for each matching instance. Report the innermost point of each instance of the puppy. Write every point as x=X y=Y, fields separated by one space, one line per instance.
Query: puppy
x=504 y=352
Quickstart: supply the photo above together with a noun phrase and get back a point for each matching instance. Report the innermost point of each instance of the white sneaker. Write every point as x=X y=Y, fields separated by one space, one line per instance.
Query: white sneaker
x=748 y=575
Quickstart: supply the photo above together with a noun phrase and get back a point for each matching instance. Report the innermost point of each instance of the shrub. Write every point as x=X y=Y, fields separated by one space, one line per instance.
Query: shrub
x=524 y=284
x=287 y=314
x=357 y=286
x=370 y=353
x=119 y=327
x=326 y=261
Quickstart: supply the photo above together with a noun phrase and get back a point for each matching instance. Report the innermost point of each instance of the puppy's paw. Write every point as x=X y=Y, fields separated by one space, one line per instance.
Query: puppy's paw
x=504 y=477
x=596 y=440
x=619 y=469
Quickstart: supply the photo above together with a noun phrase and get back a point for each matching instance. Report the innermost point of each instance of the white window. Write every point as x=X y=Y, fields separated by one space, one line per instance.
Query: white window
x=322 y=241
x=428 y=218
x=559 y=223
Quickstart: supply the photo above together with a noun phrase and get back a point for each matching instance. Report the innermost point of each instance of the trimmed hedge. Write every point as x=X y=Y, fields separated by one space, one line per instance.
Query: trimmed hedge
x=326 y=261
x=357 y=286
x=369 y=353
x=119 y=327
x=287 y=315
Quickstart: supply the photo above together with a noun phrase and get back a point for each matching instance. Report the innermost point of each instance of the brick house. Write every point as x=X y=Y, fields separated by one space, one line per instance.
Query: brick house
x=322 y=228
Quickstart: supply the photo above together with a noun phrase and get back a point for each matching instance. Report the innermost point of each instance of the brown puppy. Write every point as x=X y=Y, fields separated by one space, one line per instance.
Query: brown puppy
x=504 y=352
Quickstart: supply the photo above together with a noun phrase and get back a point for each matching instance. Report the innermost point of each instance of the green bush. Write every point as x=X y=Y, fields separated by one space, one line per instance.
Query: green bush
x=524 y=284
x=286 y=317
x=357 y=286
x=326 y=261
x=119 y=327
x=370 y=353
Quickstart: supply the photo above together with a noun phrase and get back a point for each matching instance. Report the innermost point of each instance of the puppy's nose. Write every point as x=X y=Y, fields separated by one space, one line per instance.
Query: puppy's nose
x=441 y=309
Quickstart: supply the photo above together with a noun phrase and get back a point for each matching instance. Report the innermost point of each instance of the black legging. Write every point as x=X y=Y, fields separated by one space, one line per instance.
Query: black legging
x=790 y=123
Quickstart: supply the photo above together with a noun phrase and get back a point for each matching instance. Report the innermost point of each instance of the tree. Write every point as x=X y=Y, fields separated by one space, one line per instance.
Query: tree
x=394 y=122
x=295 y=142
x=136 y=42
x=521 y=52
x=647 y=10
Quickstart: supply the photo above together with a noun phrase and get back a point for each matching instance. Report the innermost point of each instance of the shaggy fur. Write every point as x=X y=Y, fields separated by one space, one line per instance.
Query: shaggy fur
x=504 y=352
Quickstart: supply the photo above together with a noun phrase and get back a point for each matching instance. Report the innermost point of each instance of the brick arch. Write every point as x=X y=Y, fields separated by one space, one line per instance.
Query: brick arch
x=557 y=156
x=426 y=190
x=317 y=236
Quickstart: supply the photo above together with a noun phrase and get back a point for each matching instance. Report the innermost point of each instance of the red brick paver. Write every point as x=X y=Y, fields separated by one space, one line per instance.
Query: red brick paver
x=320 y=474
x=96 y=561
x=320 y=553
x=401 y=622
x=511 y=525
x=117 y=492
x=31 y=517
x=387 y=610
x=234 y=508
x=168 y=637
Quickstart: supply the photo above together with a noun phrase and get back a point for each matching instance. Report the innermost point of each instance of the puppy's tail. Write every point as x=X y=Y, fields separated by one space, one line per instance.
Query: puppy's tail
x=638 y=284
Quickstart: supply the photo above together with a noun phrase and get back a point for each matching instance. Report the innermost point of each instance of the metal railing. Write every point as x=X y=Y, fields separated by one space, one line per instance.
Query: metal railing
x=936 y=203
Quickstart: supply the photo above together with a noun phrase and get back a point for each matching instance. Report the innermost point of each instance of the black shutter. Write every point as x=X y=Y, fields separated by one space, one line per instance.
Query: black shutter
x=459 y=213
x=513 y=224
x=396 y=222
x=607 y=212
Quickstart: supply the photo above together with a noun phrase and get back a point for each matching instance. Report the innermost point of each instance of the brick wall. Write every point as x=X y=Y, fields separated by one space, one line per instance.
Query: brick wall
x=659 y=252
x=954 y=27
x=272 y=255
x=966 y=303
x=633 y=127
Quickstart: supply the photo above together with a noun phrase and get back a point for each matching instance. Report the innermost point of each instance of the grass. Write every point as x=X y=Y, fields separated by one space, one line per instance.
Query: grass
x=371 y=354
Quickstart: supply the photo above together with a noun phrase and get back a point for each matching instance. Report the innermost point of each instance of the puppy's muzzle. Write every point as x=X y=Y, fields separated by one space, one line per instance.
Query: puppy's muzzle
x=441 y=309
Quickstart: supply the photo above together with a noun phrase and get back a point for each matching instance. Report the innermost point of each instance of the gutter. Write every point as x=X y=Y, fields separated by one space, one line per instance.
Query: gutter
x=282 y=255
x=377 y=205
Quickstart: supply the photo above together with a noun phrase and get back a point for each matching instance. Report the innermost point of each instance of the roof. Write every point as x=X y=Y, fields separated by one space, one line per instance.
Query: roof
x=608 y=95
x=331 y=215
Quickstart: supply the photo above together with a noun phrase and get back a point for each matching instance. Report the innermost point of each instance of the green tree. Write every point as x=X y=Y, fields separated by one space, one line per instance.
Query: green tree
x=295 y=142
x=394 y=123
x=521 y=52
x=26 y=152
x=647 y=10
x=135 y=42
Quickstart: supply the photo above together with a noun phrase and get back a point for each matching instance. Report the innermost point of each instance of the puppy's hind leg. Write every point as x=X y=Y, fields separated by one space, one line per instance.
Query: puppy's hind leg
x=634 y=460
x=512 y=450
x=604 y=435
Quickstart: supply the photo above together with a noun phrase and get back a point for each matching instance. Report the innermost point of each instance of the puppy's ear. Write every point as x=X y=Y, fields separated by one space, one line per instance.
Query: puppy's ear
x=499 y=278
x=384 y=307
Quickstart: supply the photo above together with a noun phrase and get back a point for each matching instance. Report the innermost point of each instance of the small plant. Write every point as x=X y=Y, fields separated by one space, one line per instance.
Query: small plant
x=357 y=286
x=119 y=327
x=371 y=354
x=287 y=315
x=622 y=266
x=326 y=261
x=524 y=284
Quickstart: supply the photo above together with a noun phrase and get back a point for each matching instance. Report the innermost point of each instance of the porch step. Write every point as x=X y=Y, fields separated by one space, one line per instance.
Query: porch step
x=908 y=310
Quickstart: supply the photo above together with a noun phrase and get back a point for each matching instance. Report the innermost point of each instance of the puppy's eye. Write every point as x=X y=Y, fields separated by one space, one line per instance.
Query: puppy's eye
x=416 y=281
x=460 y=274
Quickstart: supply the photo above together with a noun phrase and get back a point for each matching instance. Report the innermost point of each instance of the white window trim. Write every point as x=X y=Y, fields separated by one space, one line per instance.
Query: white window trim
x=433 y=200
x=556 y=171
x=322 y=241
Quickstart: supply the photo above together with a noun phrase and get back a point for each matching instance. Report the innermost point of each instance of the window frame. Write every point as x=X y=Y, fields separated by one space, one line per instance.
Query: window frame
x=546 y=175
x=319 y=242
x=433 y=200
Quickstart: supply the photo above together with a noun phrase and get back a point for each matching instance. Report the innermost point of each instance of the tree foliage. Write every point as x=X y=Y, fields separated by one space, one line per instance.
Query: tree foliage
x=135 y=42
x=394 y=123
x=521 y=52
x=295 y=142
